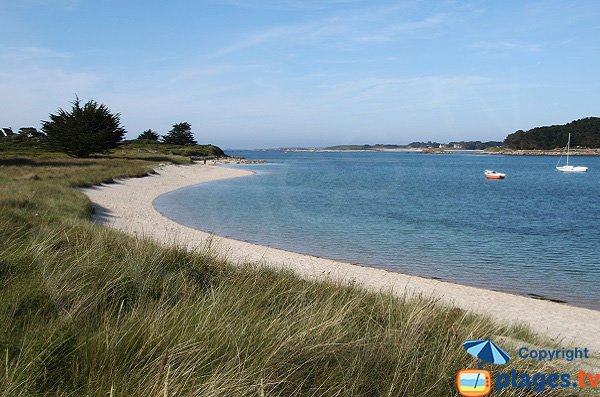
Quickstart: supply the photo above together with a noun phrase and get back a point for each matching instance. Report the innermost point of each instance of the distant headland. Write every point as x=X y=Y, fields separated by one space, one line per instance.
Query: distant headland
x=541 y=141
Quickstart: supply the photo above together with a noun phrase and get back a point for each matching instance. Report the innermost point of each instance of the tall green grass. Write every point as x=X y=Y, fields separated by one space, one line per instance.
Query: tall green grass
x=89 y=311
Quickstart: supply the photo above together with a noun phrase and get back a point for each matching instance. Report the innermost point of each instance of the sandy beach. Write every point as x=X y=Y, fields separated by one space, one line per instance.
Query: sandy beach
x=128 y=206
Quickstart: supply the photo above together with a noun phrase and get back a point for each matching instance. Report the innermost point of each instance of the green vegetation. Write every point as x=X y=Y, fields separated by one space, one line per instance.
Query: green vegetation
x=148 y=147
x=23 y=144
x=149 y=135
x=585 y=133
x=462 y=145
x=180 y=134
x=30 y=132
x=92 y=128
x=85 y=310
x=475 y=145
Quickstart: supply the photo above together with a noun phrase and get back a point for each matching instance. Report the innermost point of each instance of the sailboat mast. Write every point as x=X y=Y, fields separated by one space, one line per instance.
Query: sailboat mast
x=569 y=168
x=568 y=146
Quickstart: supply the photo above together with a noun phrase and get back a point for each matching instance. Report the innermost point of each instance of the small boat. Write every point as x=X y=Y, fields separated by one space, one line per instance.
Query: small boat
x=572 y=168
x=489 y=174
x=567 y=167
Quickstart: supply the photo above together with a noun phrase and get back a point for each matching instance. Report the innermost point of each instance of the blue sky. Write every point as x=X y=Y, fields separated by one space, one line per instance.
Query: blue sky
x=265 y=73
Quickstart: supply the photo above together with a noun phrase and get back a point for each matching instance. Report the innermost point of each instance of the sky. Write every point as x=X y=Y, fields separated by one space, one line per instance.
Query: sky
x=311 y=73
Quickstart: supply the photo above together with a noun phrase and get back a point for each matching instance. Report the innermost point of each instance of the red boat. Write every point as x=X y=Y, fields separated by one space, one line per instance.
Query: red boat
x=489 y=174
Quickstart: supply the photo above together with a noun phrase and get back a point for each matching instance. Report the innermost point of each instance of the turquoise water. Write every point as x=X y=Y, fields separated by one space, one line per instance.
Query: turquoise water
x=536 y=232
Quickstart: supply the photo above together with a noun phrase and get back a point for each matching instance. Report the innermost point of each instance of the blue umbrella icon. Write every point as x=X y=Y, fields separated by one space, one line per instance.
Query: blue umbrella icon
x=487 y=351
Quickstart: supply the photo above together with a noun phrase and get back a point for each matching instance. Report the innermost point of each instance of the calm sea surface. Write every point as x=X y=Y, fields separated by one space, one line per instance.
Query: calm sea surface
x=536 y=232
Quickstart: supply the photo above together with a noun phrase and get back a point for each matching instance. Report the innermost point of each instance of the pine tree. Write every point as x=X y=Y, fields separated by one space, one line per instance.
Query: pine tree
x=149 y=135
x=180 y=134
x=87 y=129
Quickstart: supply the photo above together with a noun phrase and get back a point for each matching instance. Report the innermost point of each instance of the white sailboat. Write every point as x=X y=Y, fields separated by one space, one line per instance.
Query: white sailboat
x=567 y=167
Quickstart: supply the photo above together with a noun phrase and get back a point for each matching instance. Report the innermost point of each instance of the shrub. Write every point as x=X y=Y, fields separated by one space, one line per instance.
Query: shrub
x=148 y=135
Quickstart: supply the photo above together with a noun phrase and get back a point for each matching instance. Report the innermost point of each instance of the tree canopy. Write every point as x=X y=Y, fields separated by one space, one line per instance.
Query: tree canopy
x=149 y=135
x=180 y=134
x=87 y=129
x=585 y=132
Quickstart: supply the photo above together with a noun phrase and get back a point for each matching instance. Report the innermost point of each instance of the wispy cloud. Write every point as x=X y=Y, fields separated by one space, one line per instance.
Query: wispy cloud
x=284 y=68
x=29 y=54
x=311 y=31
x=36 y=81
x=32 y=93
x=67 y=5
x=358 y=60
x=410 y=89
x=357 y=28
x=507 y=45
x=391 y=32
x=290 y=4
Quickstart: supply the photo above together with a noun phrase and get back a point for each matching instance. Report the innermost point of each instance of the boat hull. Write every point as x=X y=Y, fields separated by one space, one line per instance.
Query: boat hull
x=567 y=167
x=572 y=168
x=494 y=174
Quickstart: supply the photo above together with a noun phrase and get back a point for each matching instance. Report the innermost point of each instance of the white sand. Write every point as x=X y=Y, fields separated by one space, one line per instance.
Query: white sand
x=127 y=205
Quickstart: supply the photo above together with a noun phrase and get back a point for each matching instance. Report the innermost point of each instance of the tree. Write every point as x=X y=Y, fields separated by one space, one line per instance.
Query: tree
x=180 y=134
x=149 y=135
x=585 y=132
x=87 y=129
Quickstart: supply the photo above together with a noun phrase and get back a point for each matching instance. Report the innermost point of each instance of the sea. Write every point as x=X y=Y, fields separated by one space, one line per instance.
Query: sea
x=535 y=233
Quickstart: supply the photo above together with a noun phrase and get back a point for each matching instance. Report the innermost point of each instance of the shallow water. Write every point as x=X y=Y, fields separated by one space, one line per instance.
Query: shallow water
x=536 y=232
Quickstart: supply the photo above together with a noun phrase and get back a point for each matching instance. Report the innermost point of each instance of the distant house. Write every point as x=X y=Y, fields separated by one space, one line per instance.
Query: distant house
x=29 y=132
x=6 y=132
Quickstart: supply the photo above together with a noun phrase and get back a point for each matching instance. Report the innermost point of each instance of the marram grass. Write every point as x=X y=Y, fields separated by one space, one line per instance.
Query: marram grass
x=87 y=311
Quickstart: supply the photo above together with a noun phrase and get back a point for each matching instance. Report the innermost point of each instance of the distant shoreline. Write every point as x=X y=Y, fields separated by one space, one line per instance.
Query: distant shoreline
x=513 y=152
x=128 y=206
x=499 y=151
x=555 y=152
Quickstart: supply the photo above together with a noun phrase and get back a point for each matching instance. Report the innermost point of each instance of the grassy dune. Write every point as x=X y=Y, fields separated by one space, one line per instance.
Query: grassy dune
x=89 y=311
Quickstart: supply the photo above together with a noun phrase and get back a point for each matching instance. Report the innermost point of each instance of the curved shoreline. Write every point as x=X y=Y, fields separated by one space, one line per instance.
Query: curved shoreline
x=366 y=265
x=128 y=206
